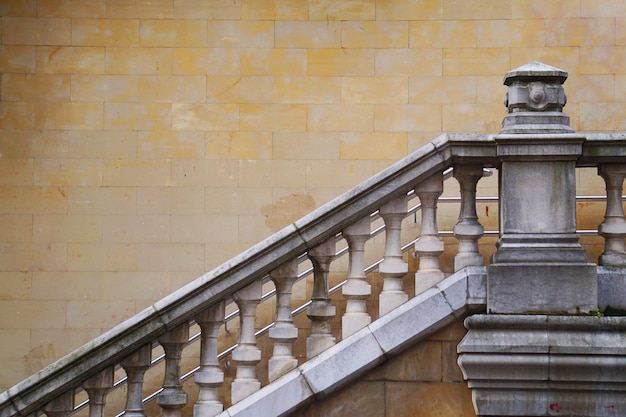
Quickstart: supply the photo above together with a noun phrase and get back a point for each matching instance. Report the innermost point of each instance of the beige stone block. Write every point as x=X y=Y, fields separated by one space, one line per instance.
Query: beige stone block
x=278 y=173
x=579 y=32
x=620 y=31
x=306 y=145
x=18 y=58
x=362 y=398
x=490 y=90
x=602 y=117
x=273 y=62
x=591 y=88
x=241 y=34
x=101 y=257
x=237 y=89
x=338 y=174
x=428 y=89
x=482 y=118
x=27 y=199
x=136 y=172
x=375 y=145
x=37 y=314
x=423 y=399
x=422 y=362
x=620 y=87
x=98 y=313
x=212 y=172
x=19 y=8
x=418 y=139
x=136 y=228
x=163 y=145
x=202 y=117
x=375 y=34
x=16 y=171
x=602 y=59
x=478 y=9
x=72 y=8
x=443 y=34
x=408 y=10
x=560 y=57
x=606 y=8
x=311 y=90
x=110 y=88
x=151 y=286
x=34 y=144
x=66 y=285
x=173 y=33
x=124 y=60
x=238 y=145
x=181 y=257
x=14 y=342
x=170 y=200
x=273 y=117
x=205 y=229
x=138 y=9
x=105 y=32
x=15 y=285
x=290 y=202
x=462 y=61
x=106 y=144
x=206 y=61
x=35 y=87
x=32 y=257
x=48 y=115
x=70 y=59
x=214 y=10
x=68 y=172
x=16 y=227
x=375 y=90
x=63 y=228
x=511 y=33
x=36 y=31
x=137 y=116
x=336 y=61
x=395 y=62
x=550 y=9
x=408 y=117
x=237 y=201
x=60 y=341
x=101 y=200
x=13 y=371
x=254 y=228
x=274 y=10
x=340 y=118
x=308 y=34
x=326 y=10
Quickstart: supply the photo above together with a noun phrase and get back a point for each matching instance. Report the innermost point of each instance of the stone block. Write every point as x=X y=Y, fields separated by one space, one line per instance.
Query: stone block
x=36 y=31
x=100 y=88
x=443 y=34
x=18 y=58
x=33 y=314
x=156 y=9
x=423 y=399
x=16 y=285
x=340 y=117
x=340 y=62
x=101 y=257
x=510 y=33
x=611 y=284
x=272 y=117
x=238 y=89
x=471 y=61
x=126 y=60
x=327 y=10
x=375 y=90
x=308 y=34
x=173 y=33
x=35 y=87
x=375 y=34
x=178 y=145
x=275 y=10
x=310 y=90
x=136 y=172
x=205 y=61
x=170 y=257
x=105 y=32
x=315 y=145
x=407 y=117
x=363 y=398
x=411 y=62
x=287 y=61
x=139 y=116
x=169 y=88
x=71 y=59
x=241 y=34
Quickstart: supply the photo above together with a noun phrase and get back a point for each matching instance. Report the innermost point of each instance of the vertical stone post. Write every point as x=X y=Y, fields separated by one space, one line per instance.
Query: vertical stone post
x=429 y=246
x=97 y=387
x=136 y=366
x=613 y=228
x=468 y=230
x=173 y=398
x=61 y=406
x=320 y=311
x=539 y=265
x=284 y=332
x=209 y=377
x=393 y=268
x=356 y=290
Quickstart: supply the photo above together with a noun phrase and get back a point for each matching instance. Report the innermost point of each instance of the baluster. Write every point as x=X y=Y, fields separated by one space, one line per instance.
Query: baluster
x=468 y=230
x=135 y=367
x=172 y=399
x=61 y=406
x=393 y=268
x=284 y=332
x=356 y=290
x=246 y=355
x=613 y=228
x=320 y=311
x=97 y=387
x=209 y=377
x=428 y=247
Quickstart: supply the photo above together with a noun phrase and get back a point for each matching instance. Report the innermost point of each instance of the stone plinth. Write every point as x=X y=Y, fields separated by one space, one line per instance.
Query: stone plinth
x=544 y=365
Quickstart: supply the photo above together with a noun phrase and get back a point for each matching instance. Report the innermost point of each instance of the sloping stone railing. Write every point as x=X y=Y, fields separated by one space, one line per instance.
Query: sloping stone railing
x=129 y=344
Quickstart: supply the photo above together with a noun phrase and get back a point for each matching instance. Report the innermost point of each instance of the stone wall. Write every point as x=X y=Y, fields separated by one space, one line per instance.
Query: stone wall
x=143 y=143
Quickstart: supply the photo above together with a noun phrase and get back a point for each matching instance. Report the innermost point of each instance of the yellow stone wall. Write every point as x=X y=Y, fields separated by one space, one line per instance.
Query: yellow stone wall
x=144 y=142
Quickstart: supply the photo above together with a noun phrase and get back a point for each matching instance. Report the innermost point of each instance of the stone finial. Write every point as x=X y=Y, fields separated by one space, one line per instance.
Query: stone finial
x=535 y=100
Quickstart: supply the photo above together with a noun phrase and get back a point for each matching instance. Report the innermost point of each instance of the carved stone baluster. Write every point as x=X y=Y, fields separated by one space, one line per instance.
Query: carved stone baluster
x=320 y=311
x=209 y=377
x=172 y=399
x=393 y=268
x=356 y=290
x=468 y=230
x=429 y=246
x=97 y=388
x=136 y=366
x=61 y=406
x=284 y=332
x=246 y=355
x=613 y=228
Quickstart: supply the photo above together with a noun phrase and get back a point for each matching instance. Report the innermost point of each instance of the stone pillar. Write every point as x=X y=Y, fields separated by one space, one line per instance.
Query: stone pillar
x=468 y=230
x=61 y=406
x=136 y=366
x=209 y=377
x=97 y=387
x=173 y=398
x=613 y=228
x=539 y=265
